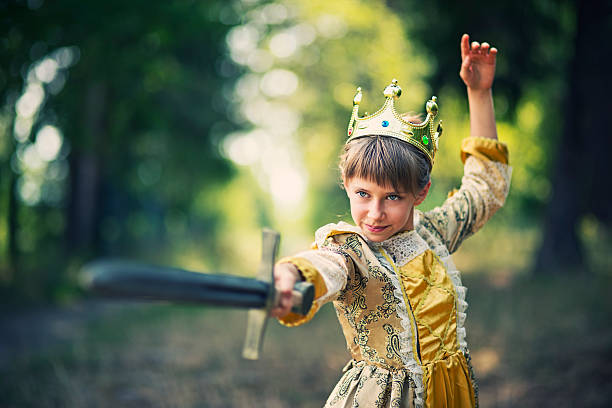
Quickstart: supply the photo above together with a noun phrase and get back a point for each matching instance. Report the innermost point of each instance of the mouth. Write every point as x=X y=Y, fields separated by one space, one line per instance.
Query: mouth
x=375 y=228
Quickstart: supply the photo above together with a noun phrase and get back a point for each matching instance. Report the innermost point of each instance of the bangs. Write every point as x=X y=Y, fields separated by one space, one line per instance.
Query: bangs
x=387 y=162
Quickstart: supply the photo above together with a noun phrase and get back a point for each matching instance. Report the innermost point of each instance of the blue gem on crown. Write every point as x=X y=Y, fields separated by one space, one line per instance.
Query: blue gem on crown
x=385 y=123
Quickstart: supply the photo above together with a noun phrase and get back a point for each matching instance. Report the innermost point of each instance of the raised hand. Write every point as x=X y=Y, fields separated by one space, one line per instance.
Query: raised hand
x=477 y=64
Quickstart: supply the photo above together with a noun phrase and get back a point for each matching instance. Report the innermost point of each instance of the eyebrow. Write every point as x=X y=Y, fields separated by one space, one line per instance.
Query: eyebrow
x=361 y=188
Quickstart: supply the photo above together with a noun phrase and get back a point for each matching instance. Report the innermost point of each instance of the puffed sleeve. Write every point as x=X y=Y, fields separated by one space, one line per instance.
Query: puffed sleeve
x=483 y=191
x=327 y=268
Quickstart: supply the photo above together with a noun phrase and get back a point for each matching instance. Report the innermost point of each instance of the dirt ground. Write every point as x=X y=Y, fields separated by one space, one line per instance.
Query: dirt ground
x=545 y=343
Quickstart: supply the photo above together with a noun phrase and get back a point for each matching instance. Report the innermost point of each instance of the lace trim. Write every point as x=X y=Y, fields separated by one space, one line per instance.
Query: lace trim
x=442 y=252
x=407 y=354
x=404 y=247
x=462 y=305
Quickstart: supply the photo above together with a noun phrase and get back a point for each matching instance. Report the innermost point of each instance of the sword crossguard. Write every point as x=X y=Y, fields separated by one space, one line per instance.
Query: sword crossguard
x=302 y=296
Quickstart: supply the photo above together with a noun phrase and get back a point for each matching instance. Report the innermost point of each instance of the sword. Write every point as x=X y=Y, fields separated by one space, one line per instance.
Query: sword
x=127 y=279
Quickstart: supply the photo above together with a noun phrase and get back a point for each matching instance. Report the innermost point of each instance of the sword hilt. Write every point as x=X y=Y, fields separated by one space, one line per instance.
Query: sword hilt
x=302 y=296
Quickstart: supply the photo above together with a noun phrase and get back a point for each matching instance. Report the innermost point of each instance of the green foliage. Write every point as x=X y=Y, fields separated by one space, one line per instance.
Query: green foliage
x=135 y=111
x=186 y=127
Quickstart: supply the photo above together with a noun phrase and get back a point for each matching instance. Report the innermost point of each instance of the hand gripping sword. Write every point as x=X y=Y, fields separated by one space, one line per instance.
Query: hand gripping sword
x=125 y=279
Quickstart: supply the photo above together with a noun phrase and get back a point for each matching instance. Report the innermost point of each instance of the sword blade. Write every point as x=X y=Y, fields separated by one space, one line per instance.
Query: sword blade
x=133 y=280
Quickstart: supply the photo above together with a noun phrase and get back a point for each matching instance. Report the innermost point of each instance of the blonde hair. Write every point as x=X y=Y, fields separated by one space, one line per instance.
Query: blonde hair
x=385 y=161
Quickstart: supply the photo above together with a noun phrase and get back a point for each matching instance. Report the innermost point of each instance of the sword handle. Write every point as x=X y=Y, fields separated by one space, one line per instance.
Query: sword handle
x=303 y=292
x=302 y=297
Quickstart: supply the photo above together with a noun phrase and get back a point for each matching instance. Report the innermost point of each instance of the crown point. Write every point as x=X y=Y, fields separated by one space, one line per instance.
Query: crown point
x=357 y=98
x=393 y=90
x=432 y=106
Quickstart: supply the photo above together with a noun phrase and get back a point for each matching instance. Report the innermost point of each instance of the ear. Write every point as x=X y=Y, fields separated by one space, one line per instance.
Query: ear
x=344 y=183
x=420 y=197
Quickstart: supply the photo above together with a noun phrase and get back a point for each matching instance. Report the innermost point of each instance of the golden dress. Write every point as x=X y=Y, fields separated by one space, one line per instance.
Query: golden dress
x=400 y=302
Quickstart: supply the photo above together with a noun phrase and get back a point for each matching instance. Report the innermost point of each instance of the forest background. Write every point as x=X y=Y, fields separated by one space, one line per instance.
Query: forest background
x=172 y=132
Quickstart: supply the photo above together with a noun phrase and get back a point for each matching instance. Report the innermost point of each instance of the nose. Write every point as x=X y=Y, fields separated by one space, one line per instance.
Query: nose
x=376 y=210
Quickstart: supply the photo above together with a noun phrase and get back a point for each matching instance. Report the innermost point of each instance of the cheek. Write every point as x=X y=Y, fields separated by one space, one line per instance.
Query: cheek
x=357 y=209
x=400 y=212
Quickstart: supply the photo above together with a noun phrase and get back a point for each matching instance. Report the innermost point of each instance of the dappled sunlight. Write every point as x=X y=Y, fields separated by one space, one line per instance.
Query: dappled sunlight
x=40 y=160
x=485 y=360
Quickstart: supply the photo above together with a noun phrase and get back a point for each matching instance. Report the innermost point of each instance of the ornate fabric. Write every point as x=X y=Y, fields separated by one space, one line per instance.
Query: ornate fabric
x=401 y=303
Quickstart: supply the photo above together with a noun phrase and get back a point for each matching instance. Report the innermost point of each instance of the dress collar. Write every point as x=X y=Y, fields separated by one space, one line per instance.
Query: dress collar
x=402 y=247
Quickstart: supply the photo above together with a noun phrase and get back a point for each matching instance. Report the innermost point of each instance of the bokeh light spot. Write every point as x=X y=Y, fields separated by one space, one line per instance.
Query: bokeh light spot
x=48 y=142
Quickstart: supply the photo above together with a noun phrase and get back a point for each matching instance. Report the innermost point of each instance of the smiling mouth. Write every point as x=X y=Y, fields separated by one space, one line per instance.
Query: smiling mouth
x=375 y=228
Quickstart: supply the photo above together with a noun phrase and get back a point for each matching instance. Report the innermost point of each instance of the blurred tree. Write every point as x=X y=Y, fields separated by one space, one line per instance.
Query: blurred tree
x=134 y=106
x=581 y=182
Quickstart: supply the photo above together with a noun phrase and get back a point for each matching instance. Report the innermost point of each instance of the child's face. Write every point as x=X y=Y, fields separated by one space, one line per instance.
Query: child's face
x=381 y=211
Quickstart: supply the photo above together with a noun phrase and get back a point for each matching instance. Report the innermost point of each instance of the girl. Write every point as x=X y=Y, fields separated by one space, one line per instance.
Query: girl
x=397 y=293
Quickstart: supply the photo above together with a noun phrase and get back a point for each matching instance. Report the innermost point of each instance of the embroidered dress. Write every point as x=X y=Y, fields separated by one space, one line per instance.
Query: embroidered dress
x=400 y=302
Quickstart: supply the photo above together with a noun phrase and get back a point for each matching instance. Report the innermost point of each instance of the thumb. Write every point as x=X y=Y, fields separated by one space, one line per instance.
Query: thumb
x=466 y=67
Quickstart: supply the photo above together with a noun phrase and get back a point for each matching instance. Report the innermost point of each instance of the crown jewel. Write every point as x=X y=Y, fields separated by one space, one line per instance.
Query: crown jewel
x=387 y=122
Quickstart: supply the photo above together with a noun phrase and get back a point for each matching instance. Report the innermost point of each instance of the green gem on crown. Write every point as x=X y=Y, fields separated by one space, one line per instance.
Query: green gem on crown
x=425 y=140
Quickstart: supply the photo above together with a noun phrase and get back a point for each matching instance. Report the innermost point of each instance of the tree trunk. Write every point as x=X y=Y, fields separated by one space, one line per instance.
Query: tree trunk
x=581 y=181
x=12 y=208
x=85 y=173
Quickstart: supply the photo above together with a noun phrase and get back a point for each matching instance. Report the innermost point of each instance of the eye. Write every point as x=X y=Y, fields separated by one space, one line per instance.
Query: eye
x=393 y=197
x=362 y=194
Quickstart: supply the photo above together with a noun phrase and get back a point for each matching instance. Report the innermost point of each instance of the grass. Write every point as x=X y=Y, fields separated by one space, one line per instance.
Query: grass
x=535 y=343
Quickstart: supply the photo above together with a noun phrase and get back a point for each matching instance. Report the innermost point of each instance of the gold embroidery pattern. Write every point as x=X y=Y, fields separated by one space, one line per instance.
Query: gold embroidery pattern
x=385 y=387
x=353 y=243
x=393 y=343
x=343 y=386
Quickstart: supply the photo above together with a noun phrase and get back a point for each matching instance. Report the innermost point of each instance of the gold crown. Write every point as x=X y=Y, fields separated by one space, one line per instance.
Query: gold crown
x=387 y=122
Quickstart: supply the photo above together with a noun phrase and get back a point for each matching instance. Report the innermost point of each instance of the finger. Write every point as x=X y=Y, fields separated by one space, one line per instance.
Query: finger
x=286 y=301
x=285 y=282
x=465 y=45
x=279 y=312
x=493 y=51
x=484 y=47
x=475 y=46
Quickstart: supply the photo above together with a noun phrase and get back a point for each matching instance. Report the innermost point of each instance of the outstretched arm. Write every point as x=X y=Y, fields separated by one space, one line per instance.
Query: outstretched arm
x=478 y=72
x=327 y=270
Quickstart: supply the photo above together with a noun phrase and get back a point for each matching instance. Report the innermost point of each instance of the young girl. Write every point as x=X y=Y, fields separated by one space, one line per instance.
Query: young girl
x=397 y=293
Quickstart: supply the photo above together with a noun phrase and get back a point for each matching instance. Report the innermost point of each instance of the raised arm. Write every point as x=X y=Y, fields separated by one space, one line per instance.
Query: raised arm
x=477 y=72
x=486 y=179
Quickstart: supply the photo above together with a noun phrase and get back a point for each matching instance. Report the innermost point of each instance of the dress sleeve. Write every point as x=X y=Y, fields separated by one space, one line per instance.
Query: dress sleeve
x=483 y=191
x=327 y=270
